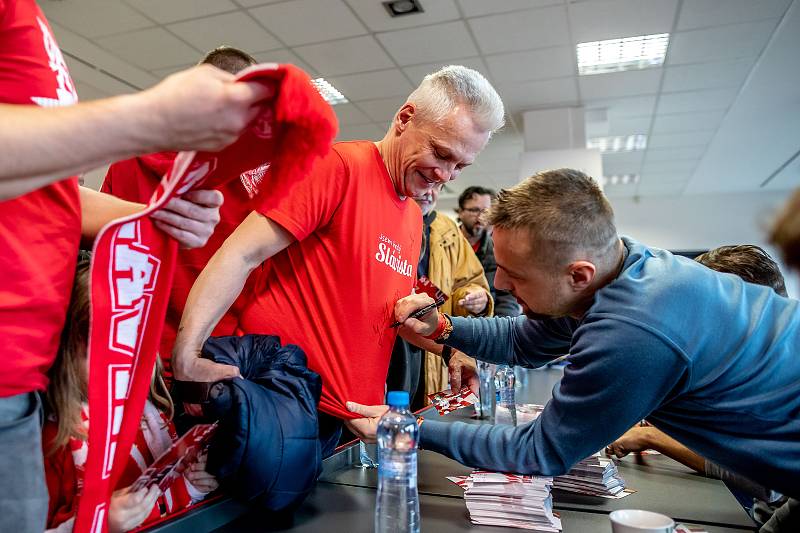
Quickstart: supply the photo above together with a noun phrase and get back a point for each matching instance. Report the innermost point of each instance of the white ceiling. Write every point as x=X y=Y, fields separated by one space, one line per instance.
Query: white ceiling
x=722 y=114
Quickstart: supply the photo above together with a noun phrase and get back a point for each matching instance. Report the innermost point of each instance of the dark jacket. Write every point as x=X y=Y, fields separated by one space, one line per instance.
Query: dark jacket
x=504 y=302
x=266 y=448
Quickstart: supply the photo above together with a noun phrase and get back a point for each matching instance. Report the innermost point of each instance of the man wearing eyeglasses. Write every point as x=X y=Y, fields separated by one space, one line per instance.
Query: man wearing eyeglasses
x=473 y=205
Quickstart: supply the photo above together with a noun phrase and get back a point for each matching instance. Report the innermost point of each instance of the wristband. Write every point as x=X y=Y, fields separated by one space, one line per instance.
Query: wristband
x=440 y=327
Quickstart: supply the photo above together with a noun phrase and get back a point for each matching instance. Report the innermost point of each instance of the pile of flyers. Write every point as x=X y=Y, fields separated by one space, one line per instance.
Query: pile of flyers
x=510 y=500
x=596 y=475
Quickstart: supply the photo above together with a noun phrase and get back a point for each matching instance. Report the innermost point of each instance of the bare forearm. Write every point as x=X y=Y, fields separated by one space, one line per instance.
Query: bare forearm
x=98 y=209
x=673 y=449
x=42 y=146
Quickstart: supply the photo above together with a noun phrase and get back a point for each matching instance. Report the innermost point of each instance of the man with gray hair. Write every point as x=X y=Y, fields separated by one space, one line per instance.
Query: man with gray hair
x=706 y=357
x=338 y=248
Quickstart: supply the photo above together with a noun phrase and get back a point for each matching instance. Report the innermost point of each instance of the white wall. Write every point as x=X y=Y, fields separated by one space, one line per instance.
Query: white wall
x=695 y=222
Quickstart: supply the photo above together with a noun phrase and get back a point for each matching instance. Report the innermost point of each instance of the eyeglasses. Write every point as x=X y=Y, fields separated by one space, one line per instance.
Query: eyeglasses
x=474 y=210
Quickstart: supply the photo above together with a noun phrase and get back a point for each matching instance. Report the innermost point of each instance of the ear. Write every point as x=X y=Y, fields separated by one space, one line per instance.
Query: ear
x=404 y=116
x=581 y=275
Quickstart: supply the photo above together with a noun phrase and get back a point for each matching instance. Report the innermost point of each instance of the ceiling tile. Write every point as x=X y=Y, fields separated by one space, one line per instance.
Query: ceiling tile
x=706 y=75
x=438 y=43
x=672 y=154
x=476 y=8
x=679 y=140
x=95 y=80
x=618 y=84
x=377 y=18
x=232 y=29
x=704 y=13
x=253 y=3
x=309 y=21
x=284 y=55
x=521 y=30
x=162 y=73
x=628 y=125
x=686 y=102
x=358 y=132
x=682 y=122
x=359 y=54
x=619 y=191
x=372 y=85
x=532 y=65
x=93 y=18
x=417 y=72
x=622 y=163
x=382 y=110
x=715 y=44
x=659 y=188
x=597 y=21
x=78 y=46
x=532 y=94
x=633 y=106
x=349 y=115
x=150 y=49
x=175 y=10
x=667 y=167
x=88 y=92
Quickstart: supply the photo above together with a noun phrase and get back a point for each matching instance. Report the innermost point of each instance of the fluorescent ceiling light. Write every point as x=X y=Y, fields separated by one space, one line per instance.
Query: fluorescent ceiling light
x=616 y=55
x=619 y=179
x=620 y=143
x=330 y=93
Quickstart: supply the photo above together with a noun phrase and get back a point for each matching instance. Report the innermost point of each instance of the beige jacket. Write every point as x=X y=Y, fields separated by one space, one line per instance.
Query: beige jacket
x=456 y=270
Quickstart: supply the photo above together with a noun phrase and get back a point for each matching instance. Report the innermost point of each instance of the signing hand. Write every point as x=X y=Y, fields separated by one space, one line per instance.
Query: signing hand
x=475 y=301
x=463 y=371
x=128 y=510
x=634 y=440
x=426 y=324
x=199 y=478
x=190 y=219
x=365 y=428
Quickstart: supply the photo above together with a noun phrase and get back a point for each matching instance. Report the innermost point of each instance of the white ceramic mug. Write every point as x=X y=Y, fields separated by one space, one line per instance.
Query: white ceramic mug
x=637 y=521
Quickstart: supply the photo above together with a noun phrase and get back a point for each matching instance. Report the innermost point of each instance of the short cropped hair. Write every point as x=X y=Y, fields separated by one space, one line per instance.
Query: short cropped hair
x=565 y=212
x=475 y=190
x=749 y=262
x=785 y=232
x=229 y=59
x=440 y=92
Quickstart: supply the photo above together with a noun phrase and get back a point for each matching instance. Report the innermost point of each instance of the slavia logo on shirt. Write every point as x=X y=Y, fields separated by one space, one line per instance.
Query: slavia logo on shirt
x=390 y=254
x=65 y=92
x=133 y=276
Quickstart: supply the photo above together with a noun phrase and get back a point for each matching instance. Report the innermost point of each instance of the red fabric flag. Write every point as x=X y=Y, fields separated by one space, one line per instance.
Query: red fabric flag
x=134 y=261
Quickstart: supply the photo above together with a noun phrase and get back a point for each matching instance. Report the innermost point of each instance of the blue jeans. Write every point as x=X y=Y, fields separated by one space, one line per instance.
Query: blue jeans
x=23 y=491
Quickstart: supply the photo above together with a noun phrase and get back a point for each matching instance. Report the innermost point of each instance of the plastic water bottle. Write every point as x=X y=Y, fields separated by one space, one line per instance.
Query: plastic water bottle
x=506 y=410
x=397 y=506
x=486 y=373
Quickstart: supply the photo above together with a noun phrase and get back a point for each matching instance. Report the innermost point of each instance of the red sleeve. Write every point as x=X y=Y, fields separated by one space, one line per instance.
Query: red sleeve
x=302 y=206
x=106 y=186
x=62 y=483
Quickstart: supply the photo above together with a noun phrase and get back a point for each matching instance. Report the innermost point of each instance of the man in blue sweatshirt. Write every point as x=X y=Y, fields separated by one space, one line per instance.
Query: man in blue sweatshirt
x=706 y=357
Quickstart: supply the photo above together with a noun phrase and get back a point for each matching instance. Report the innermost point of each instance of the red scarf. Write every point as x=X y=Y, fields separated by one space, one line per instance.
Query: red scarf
x=133 y=265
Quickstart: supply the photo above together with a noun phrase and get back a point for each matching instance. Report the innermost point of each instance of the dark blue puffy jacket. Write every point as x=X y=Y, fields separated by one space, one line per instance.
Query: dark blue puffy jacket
x=266 y=448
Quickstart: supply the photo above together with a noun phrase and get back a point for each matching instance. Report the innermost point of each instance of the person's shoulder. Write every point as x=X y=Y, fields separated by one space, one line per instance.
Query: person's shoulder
x=352 y=151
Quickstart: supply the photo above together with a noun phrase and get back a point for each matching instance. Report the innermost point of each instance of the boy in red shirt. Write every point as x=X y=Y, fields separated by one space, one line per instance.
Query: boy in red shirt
x=339 y=245
x=136 y=180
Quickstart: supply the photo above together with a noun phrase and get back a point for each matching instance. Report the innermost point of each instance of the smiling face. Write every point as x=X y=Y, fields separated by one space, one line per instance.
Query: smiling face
x=428 y=154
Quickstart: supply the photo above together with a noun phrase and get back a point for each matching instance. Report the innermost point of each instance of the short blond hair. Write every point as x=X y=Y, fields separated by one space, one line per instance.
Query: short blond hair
x=564 y=210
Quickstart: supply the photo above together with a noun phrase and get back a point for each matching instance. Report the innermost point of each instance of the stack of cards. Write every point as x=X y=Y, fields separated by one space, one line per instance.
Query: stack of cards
x=596 y=475
x=448 y=401
x=510 y=500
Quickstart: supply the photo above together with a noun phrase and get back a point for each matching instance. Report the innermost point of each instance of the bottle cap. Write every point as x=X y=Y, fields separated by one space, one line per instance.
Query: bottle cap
x=397 y=398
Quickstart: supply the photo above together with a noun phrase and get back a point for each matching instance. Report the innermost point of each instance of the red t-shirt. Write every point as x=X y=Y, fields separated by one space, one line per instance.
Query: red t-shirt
x=136 y=180
x=332 y=292
x=39 y=231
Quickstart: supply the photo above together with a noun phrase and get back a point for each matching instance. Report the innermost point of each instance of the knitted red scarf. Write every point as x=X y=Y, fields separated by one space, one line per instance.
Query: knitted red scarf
x=133 y=265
